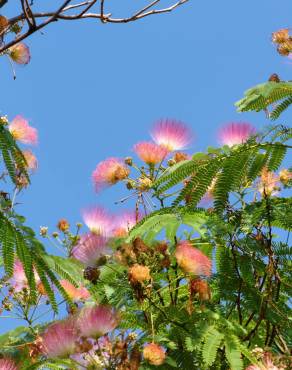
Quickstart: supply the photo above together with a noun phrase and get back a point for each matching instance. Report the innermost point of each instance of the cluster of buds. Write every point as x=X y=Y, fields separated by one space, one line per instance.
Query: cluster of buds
x=283 y=41
x=154 y=354
x=3 y=121
x=139 y=253
x=285 y=176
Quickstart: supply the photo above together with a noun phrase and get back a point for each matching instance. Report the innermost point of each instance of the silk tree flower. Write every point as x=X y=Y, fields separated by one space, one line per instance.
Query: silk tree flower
x=60 y=338
x=171 y=134
x=139 y=273
x=31 y=161
x=97 y=321
x=18 y=280
x=90 y=249
x=7 y=364
x=150 y=153
x=268 y=184
x=192 y=260
x=22 y=131
x=76 y=294
x=124 y=223
x=154 y=354
x=235 y=133
x=97 y=220
x=20 y=53
x=266 y=365
x=109 y=172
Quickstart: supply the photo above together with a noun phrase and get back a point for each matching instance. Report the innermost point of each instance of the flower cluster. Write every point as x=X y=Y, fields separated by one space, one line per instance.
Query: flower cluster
x=63 y=338
x=283 y=41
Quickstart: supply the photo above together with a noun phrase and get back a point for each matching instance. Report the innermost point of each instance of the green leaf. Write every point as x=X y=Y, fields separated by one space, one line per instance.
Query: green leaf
x=212 y=341
x=233 y=353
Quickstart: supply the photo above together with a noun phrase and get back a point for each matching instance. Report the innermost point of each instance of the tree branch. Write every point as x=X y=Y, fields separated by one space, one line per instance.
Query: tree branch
x=64 y=13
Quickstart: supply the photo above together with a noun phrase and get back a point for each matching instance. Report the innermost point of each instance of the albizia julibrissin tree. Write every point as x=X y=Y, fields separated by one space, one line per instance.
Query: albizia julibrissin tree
x=195 y=276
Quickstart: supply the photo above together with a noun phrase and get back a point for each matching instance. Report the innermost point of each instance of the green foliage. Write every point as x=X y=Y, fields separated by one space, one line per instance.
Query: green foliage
x=229 y=171
x=212 y=341
x=12 y=156
x=261 y=96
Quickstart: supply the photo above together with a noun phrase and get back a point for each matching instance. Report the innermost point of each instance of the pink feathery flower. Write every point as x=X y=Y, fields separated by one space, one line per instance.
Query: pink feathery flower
x=192 y=260
x=97 y=220
x=150 y=153
x=22 y=131
x=60 y=338
x=235 y=133
x=269 y=183
x=266 y=365
x=109 y=172
x=20 y=53
x=18 y=280
x=76 y=294
x=173 y=135
x=124 y=223
x=7 y=364
x=31 y=161
x=96 y=321
x=90 y=249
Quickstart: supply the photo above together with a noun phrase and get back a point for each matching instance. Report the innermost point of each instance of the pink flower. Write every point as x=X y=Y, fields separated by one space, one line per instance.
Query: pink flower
x=19 y=280
x=124 y=223
x=7 y=364
x=22 y=131
x=19 y=53
x=236 y=133
x=76 y=294
x=109 y=172
x=90 y=249
x=267 y=364
x=171 y=134
x=192 y=260
x=96 y=321
x=268 y=184
x=60 y=338
x=97 y=220
x=31 y=161
x=150 y=153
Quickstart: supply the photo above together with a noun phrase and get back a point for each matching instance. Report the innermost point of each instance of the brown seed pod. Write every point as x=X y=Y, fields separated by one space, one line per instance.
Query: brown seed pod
x=91 y=274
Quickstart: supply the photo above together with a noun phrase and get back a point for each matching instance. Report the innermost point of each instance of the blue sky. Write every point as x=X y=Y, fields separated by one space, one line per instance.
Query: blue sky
x=94 y=90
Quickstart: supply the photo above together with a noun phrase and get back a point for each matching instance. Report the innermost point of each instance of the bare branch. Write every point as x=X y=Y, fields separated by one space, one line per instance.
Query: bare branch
x=64 y=13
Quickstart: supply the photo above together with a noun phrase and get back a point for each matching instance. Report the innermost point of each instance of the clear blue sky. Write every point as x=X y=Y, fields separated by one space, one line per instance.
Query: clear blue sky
x=94 y=90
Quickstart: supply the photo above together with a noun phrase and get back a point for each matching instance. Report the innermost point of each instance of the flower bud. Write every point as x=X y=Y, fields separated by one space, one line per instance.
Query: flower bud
x=3 y=120
x=63 y=225
x=285 y=176
x=129 y=161
x=145 y=183
x=285 y=48
x=171 y=162
x=200 y=287
x=91 y=274
x=280 y=36
x=4 y=23
x=139 y=274
x=44 y=230
x=180 y=156
x=154 y=354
